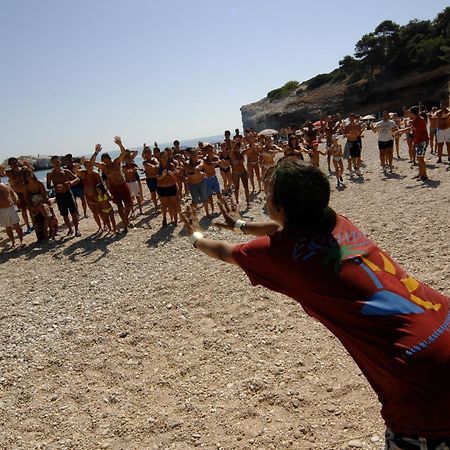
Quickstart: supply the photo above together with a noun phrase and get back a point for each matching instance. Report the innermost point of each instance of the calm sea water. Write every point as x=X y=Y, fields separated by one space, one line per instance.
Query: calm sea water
x=41 y=174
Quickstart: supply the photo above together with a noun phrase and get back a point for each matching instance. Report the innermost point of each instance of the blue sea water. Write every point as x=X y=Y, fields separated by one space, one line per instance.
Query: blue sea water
x=41 y=174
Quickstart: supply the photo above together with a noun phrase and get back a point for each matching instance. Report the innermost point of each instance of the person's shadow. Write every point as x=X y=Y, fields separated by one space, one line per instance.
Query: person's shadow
x=162 y=236
x=93 y=243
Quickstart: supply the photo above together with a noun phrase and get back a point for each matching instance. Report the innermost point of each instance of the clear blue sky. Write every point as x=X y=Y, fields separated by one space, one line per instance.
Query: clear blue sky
x=75 y=73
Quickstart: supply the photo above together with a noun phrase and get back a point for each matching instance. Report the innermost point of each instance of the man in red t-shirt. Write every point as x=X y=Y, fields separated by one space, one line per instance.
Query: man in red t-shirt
x=418 y=128
x=396 y=328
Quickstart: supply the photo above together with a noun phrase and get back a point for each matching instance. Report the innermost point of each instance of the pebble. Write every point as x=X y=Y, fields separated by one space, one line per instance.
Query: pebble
x=374 y=438
x=355 y=443
x=54 y=397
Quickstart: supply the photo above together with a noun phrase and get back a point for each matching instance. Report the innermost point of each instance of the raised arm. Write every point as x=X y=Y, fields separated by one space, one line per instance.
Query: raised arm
x=98 y=149
x=121 y=157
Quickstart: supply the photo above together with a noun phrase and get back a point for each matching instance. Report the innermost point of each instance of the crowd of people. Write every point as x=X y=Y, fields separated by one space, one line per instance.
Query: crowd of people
x=175 y=174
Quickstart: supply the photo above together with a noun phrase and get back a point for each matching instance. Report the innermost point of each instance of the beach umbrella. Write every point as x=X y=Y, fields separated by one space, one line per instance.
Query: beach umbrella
x=267 y=132
x=368 y=117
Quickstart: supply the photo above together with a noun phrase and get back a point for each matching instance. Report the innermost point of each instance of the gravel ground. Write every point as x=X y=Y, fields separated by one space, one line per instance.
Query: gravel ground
x=141 y=342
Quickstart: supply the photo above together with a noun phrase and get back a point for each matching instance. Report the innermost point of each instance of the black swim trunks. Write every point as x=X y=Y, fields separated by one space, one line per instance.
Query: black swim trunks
x=152 y=184
x=170 y=191
x=354 y=149
x=383 y=145
x=66 y=203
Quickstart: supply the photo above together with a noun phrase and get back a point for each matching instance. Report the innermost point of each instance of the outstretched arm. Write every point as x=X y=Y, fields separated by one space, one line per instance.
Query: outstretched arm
x=220 y=250
x=233 y=221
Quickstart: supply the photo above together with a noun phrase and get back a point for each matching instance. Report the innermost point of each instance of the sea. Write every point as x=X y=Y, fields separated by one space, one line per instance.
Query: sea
x=42 y=174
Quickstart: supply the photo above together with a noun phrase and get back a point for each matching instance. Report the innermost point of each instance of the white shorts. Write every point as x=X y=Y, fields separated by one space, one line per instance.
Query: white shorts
x=134 y=188
x=8 y=217
x=443 y=136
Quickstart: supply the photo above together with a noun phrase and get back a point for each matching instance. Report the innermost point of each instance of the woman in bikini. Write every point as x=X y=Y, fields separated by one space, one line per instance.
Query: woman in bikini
x=167 y=188
x=225 y=168
x=293 y=150
x=90 y=180
x=267 y=155
x=105 y=208
x=252 y=153
x=337 y=155
x=238 y=171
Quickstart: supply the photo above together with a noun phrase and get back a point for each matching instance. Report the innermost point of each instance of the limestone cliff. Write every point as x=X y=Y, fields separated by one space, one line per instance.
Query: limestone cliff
x=361 y=98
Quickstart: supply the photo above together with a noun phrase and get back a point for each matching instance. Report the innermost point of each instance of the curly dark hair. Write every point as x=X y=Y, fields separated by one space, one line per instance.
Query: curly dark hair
x=303 y=191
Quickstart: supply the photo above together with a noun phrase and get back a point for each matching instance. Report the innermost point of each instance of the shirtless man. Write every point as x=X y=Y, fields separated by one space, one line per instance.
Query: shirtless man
x=117 y=185
x=62 y=180
x=252 y=154
x=8 y=215
x=90 y=180
x=17 y=181
x=443 y=130
x=433 y=121
x=209 y=165
x=329 y=129
x=77 y=189
x=151 y=166
x=130 y=171
x=352 y=149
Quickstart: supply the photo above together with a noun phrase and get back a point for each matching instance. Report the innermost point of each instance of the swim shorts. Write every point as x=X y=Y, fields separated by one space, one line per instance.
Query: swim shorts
x=352 y=150
x=421 y=148
x=152 y=184
x=120 y=193
x=443 y=136
x=134 y=188
x=66 y=203
x=212 y=185
x=77 y=190
x=8 y=217
x=199 y=192
x=169 y=191
x=383 y=145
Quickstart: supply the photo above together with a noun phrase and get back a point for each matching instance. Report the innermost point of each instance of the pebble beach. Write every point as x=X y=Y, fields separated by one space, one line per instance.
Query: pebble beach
x=138 y=341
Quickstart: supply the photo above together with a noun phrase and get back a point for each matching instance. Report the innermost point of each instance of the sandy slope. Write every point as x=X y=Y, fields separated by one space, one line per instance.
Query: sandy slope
x=141 y=342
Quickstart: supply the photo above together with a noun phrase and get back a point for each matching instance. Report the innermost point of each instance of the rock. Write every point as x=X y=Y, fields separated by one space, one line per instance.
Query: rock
x=123 y=334
x=374 y=438
x=355 y=443
x=54 y=397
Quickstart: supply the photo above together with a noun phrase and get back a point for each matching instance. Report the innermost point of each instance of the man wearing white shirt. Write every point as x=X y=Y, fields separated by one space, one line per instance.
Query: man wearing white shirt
x=385 y=129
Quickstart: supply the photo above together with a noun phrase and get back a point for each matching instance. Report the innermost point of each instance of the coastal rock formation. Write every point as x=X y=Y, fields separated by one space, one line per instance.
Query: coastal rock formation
x=361 y=98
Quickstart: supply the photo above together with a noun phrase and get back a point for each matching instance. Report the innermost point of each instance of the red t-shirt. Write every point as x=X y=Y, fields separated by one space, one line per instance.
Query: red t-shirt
x=419 y=130
x=395 y=328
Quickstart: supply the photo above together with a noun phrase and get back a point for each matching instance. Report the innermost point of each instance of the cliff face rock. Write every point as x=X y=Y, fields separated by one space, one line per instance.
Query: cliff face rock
x=360 y=98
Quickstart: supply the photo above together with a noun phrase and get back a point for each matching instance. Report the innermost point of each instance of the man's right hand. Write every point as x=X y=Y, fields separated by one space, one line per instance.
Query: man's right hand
x=117 y=140
x=98 y=148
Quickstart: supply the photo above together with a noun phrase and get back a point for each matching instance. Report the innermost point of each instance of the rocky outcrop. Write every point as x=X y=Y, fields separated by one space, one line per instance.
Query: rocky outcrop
x=360 y=98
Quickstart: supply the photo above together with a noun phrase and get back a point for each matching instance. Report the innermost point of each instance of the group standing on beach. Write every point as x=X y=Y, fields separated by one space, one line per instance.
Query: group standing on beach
x=174 y=173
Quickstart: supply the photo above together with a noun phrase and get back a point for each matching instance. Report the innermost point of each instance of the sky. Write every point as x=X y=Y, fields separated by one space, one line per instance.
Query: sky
x=74 y=73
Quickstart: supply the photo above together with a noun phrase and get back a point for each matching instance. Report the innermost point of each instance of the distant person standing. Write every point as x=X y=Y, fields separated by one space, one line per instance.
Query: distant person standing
x=443 y=130
x=62 y=180
x=418 y=128
x=433 y=121
x=385 y=129
x=8 y=215
x=352 y=149
x=16 y=177
x=77 y=189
